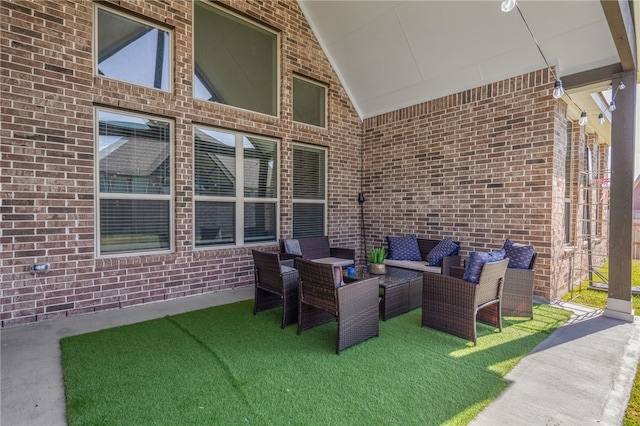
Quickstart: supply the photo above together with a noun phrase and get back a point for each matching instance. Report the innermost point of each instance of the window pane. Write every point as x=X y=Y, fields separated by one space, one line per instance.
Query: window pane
x=309 y=182
x=260 y=172
x=308 y=102
x=308 y=173
x=235 y=61
x=308 y=220
x=132 y=51
x=215 y=163
x=133 y=225
x=259 y=222
x=134 y=154
x=215 y=223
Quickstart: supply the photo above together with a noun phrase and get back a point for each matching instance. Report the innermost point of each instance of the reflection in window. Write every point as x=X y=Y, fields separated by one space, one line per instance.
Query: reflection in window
x=134 y=173
x=309 y=100
x=309 y=195
x=132 y=51
x=236 y=62
x=234 y=206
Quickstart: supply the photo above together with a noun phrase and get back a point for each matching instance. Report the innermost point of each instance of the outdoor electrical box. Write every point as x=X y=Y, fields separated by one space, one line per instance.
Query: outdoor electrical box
x=40 y=268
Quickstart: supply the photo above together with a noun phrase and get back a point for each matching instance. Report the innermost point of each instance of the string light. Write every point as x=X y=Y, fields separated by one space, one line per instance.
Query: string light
x=558 y=89
x=583 y=119
x=508 y=6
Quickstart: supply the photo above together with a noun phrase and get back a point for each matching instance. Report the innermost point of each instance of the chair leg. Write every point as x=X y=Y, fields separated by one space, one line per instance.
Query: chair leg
x=265 y=300
x=290 y=306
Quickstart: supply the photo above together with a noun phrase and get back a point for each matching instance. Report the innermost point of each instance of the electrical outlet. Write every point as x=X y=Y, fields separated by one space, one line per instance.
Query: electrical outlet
x=40 y=268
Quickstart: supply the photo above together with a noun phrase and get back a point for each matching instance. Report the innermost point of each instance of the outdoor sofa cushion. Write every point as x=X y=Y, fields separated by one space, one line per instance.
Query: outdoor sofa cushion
x=519 y=255
x=444 y=248
x=404 y=248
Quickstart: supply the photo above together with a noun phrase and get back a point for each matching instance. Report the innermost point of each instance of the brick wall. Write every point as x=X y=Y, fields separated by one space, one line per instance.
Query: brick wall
x=476 y=165
x=48 y=93
x=479 y=165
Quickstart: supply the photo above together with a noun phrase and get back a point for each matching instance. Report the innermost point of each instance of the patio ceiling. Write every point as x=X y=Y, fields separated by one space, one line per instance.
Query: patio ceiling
x=393 y=54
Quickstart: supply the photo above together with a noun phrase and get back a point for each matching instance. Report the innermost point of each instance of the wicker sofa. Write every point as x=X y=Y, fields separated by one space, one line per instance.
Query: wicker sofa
x=318 y=250
x=425 y=245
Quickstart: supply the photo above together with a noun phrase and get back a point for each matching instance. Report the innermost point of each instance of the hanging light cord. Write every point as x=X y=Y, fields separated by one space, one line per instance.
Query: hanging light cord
x=535 y=41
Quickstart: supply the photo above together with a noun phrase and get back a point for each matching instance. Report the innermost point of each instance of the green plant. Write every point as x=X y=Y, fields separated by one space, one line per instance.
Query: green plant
x=377 y=255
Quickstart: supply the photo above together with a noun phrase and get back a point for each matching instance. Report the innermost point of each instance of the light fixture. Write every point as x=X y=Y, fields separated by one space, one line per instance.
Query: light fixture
x=558 y=90
x=612 y=106
x=583 y=119
x=601 y=118
x=622 y=86
x=508 y=5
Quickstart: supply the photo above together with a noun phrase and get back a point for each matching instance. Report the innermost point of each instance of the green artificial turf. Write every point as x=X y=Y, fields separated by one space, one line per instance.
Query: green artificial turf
x=223 y=365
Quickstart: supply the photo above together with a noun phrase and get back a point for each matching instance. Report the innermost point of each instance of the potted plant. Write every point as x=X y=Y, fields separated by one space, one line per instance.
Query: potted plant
x=376 y=260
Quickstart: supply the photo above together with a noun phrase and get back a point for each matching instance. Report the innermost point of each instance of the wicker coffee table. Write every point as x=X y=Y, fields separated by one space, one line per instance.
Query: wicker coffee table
x=400 y=290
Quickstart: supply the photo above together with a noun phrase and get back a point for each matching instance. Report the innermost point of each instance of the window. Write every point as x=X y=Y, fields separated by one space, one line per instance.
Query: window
x=133 y=51
x=309 y=102
x=568 y=188
x=235 y=188
x=135 y=209
x=236 y=62
x=309 y=191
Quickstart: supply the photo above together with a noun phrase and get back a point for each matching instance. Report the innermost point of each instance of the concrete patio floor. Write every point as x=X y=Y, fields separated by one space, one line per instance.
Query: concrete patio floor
x=581 y=375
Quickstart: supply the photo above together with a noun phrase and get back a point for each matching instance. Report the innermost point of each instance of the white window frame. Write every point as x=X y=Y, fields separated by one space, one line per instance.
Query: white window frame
x=239 y=199
x=326 y=100
x=278 y=60
x=169 y=31
x=324 y=201
x=133 y=196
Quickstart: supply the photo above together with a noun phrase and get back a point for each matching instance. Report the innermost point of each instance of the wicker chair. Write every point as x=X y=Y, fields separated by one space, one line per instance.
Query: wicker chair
x=517 y=295
x=276 y=285
x=517 y=292
x=354 y=305
x=452 y=305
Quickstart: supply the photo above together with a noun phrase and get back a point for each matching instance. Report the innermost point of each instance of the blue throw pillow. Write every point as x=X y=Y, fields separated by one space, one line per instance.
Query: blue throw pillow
x=404 y=248
x=444 y=248
x=477 y=260
x=292 y=246
x=519 y=255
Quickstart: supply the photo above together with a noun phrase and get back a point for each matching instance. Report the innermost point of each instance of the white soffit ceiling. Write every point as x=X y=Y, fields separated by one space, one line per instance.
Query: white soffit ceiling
x=393 y=54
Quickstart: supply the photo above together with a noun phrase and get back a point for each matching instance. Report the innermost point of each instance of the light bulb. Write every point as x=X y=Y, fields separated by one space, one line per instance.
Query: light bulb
x=508 y=5
x=558 y=90
x=622 y=86
x=612 y=106
x=601 y=118
x=583 y=119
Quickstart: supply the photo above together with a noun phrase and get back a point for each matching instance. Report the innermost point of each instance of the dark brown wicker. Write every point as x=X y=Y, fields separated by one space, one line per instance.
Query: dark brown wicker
x=275 y=287
x=517 y=293
x=401 y=290
x=317 y=248
x=517 y=296
x=452 y=305
x=353 y=305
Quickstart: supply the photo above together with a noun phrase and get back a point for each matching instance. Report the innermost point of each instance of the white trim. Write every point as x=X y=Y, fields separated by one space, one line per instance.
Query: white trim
x=169 y=31
x=133 y=196
x=619 y=309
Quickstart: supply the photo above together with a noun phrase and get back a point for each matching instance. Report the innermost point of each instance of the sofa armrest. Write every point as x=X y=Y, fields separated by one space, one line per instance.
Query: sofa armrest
x=448 y=262
x=457 y=271
x=343 y=253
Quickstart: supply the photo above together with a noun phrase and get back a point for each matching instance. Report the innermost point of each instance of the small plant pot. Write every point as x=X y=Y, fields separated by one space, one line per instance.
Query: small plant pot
x=377 y=268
